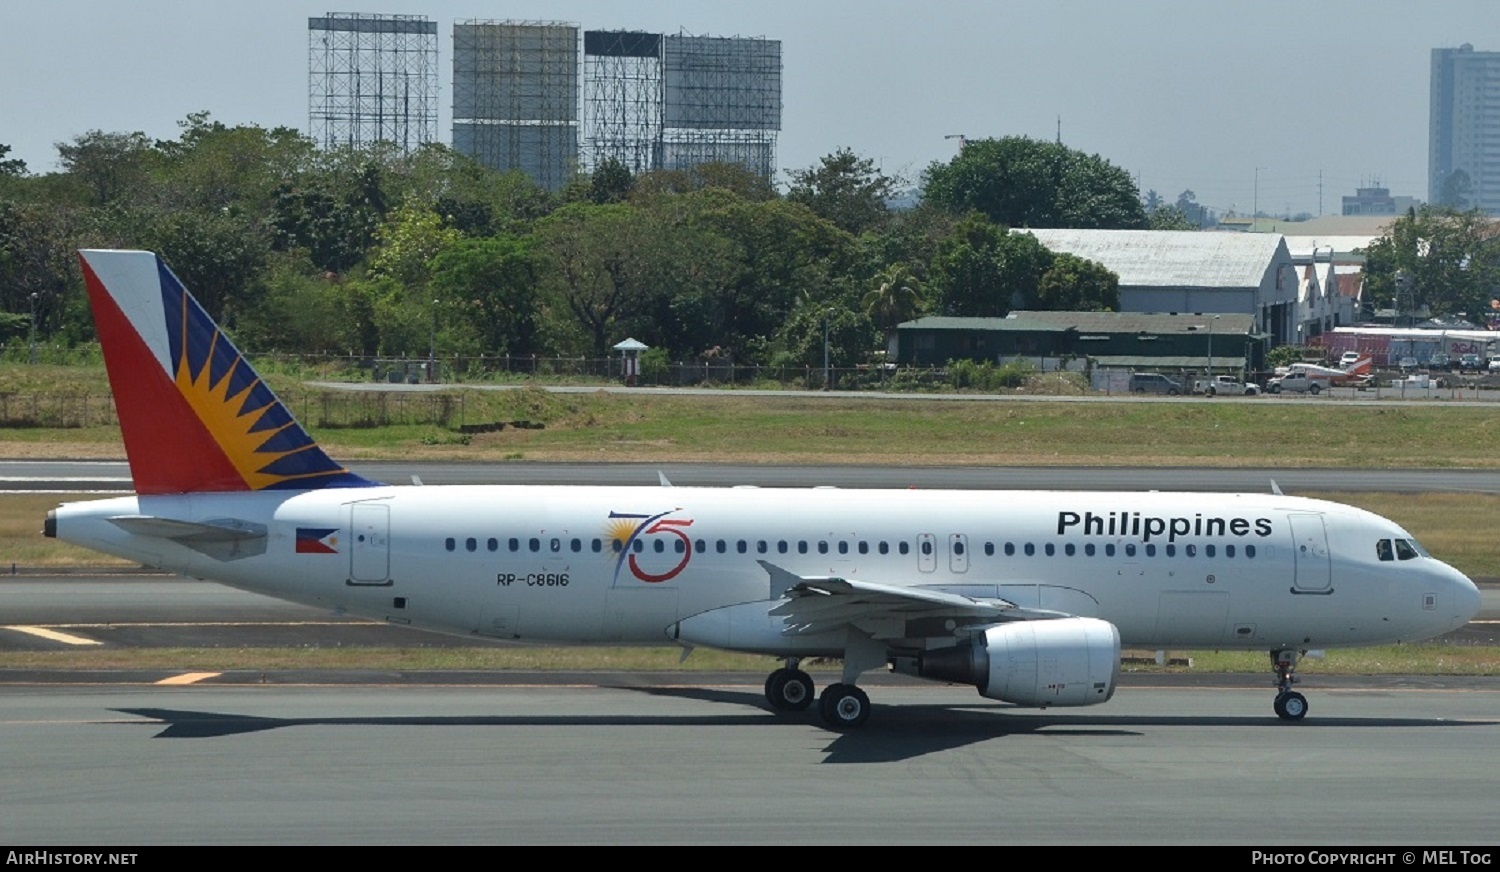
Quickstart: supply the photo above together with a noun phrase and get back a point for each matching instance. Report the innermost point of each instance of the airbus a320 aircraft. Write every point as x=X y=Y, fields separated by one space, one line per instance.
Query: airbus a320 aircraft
x=1027 y=596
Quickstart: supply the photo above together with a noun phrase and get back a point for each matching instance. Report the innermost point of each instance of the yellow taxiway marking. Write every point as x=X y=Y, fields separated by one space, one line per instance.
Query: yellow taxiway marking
x=190 y=678
x=54 y=635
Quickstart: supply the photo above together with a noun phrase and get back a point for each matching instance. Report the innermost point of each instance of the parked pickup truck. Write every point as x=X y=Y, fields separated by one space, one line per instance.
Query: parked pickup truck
x=1299 y=382
x=1225 y=384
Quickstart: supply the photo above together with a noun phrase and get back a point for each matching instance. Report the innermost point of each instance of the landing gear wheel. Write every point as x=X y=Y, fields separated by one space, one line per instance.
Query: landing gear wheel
x=1291 y=706
x=844 y=707
x=789 y=690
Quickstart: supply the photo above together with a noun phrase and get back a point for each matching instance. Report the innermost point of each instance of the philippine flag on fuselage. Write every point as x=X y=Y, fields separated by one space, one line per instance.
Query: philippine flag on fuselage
x=317 y=540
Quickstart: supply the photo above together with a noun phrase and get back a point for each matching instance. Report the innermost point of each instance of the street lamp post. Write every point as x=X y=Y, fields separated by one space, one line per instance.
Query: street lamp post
x=432 y=345
x=1211 y=347
x=827 y=373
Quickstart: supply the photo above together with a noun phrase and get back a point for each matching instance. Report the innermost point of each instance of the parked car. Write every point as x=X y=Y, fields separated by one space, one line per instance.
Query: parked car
x=1440 y=362
x=1349 y=358
x=1227 y=385
x=1153 y=383
x=1470 y=363
x=1407 y=363
x=1299 y=382
x=1494 y=363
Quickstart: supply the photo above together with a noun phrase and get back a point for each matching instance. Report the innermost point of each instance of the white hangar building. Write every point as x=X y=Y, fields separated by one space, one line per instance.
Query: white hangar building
x=1169 y=271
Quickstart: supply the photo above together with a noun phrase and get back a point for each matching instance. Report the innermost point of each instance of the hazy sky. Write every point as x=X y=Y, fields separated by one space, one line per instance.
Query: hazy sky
x=1180 y=94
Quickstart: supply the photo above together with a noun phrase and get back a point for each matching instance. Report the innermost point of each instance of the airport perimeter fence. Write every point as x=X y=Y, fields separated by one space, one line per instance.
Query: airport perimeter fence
x=331 y=409
x=605 y=371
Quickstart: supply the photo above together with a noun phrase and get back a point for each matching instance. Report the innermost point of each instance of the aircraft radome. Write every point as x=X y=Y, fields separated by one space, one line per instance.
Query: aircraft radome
x=1027 y=596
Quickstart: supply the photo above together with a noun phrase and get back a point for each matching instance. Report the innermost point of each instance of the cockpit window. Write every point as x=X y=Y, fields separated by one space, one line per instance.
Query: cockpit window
x=1383 y=550
x=1404 y=551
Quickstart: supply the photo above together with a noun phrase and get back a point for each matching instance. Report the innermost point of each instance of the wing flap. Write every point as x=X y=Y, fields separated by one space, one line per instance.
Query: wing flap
x=817 y=604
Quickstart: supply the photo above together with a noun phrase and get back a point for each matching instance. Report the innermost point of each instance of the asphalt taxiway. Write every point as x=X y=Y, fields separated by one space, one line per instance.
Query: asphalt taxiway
x=666 y=763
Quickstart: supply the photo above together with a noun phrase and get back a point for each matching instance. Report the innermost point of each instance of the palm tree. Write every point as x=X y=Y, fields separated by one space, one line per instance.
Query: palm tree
x=897 y=297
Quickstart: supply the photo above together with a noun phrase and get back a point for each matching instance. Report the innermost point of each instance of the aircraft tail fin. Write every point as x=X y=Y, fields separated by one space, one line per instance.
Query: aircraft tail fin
x=194 y=414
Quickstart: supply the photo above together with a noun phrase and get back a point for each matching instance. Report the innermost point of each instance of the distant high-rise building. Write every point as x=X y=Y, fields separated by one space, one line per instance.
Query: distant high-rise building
x=1463 y=158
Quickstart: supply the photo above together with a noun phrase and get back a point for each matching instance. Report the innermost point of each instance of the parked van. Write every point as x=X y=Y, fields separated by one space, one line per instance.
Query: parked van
x=1153 y=383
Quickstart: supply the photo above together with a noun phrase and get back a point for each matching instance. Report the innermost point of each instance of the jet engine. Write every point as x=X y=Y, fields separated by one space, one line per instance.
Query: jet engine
x=1063 y=662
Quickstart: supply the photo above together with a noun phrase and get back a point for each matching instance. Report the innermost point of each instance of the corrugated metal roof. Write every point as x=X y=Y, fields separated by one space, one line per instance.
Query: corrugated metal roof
x=1227 y=324
x=1172 y=258
x=1136 y=361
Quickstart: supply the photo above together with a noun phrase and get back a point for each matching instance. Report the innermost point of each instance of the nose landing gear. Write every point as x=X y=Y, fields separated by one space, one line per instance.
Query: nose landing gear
x=1290 y=705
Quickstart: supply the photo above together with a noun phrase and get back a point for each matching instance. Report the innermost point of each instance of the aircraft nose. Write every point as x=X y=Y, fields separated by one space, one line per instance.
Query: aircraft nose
x=1466 y=600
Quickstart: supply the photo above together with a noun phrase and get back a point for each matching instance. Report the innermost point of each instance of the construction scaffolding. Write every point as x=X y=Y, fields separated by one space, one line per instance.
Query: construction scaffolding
x=623 y=98
x=372 y=78
x=721 y=102
x=515 y=97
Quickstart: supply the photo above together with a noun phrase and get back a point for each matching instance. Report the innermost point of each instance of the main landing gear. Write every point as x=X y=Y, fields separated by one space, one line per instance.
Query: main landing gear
x=1290 y=705
x=789 y=689
x=842 y=706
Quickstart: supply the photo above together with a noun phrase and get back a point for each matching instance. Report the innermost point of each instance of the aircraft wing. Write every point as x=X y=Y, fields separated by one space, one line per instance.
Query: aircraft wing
x=825 y=604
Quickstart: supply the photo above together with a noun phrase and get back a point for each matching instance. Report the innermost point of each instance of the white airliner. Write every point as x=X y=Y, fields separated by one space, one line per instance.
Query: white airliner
x=1028 y=596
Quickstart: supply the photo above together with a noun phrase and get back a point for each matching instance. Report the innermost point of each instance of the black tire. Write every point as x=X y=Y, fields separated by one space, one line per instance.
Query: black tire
x=1275 y=389
x=1313 y=389
x=844 y=707
x=789 y=690
x=1172 y=392
x=1211 y=391
x=1291 y=706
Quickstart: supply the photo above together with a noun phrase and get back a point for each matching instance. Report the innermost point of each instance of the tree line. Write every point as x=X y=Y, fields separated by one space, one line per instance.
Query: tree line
x=375 y=252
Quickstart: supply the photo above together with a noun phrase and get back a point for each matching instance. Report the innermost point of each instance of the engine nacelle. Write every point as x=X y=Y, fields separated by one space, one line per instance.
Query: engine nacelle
x=1066 y=662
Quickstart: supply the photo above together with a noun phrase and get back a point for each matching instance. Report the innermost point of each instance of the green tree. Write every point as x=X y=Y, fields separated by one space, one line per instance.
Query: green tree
x=780 y=253
x=10 y=166
x=1171 y=218
x=844 y=189
x=213 y=167
x=332 y=212
x=1450 y=260
x=1073 y=284
x=610 y=182
x=488 y=288
x=985 y=271
x=896 y=297
x=218 y=256
x=406 y=243
x=109 y=167
x=602 y=263
x=1022 y=182
x=852 y=338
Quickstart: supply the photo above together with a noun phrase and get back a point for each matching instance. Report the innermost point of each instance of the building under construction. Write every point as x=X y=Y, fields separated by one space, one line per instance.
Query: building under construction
x=648 y=101
x=372 y=78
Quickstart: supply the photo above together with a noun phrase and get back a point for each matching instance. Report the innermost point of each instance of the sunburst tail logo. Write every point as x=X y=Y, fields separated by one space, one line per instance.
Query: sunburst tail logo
x=195 y=416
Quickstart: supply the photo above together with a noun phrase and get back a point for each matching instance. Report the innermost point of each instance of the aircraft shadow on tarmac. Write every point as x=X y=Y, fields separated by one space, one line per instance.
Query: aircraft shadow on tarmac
x=894 y=733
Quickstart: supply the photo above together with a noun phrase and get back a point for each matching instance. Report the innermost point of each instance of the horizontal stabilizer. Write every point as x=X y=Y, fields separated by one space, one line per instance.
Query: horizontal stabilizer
x=220 y=538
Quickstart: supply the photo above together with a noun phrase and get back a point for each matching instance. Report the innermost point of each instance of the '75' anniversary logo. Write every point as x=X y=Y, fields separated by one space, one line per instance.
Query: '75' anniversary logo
x=629 y=531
